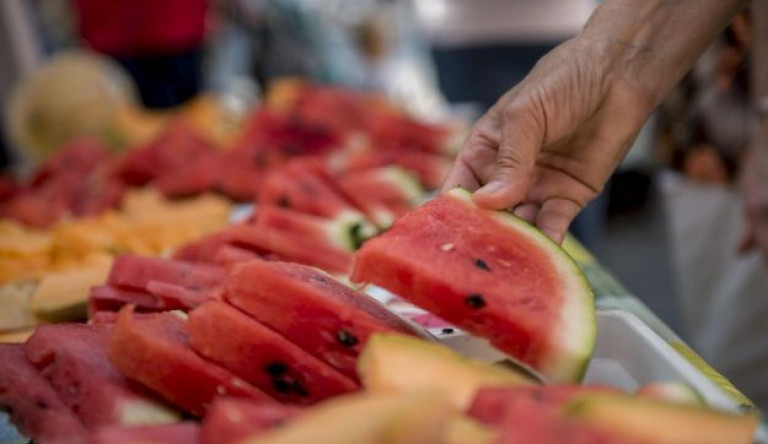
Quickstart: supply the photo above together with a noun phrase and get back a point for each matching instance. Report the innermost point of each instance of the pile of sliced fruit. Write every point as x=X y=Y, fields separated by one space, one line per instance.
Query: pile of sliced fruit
x=240 y=345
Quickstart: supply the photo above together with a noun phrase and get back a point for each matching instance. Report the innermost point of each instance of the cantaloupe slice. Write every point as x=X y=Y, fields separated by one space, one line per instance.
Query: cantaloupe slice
x=392 y=363
x=63 y=295
x=464 y=430
x=648 y=420
x=416 y=418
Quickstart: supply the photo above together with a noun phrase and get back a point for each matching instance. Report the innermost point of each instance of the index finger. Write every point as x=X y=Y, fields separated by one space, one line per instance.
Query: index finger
x=461 y=174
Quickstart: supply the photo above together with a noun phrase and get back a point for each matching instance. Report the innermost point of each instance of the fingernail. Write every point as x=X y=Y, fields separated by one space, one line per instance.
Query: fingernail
x=491 y=188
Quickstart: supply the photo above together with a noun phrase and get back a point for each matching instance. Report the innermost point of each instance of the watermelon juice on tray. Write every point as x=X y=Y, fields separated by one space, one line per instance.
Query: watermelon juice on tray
x=154 y=350
x=491 y=274
x=73 y=357
x=310 y=308
x=262 y=357
x=33 y=405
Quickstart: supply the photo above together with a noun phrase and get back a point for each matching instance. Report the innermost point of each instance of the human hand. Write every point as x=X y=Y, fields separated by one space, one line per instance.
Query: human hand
x=549 y=145
x=753 y=184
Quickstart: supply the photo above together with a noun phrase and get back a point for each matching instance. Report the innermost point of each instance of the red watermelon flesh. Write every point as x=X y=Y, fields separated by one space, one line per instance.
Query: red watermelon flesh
x=73 y=357
x=107 y=298
x=384 y=193
x=337 y=233
x=181 y=433
x=155 y=352
x=136 y=272
x=32 y=404
x=228 y=255
x=493 y=405
x=204 y=249
x=431 y=169
x=262 y=357
x=177 y=297
x=302 y=189
x=230 y=421
x=290 y=247
x=492 y=275
x=530 y=421
x=311 y=309
x=197 y=177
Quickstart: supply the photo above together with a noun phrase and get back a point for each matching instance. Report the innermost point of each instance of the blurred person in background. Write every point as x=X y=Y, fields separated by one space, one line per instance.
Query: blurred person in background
x=159 y=42
x=548 y=145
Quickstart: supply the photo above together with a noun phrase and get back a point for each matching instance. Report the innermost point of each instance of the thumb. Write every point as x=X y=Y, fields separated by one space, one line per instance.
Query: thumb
x=522 y=133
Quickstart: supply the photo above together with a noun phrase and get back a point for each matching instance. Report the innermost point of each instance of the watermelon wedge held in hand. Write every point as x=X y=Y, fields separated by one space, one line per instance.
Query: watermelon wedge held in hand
x=491 y=274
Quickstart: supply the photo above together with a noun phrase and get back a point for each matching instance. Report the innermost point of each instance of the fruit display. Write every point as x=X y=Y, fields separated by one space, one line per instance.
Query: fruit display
x=263 y=331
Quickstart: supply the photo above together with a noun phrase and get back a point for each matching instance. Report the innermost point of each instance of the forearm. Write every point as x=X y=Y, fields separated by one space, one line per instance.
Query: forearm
x=760 y=55
x=651 y=44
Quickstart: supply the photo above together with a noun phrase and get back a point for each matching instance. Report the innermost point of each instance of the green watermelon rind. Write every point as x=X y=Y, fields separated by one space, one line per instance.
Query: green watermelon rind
x=349 y=229
x=405 y=181
x=577 y=330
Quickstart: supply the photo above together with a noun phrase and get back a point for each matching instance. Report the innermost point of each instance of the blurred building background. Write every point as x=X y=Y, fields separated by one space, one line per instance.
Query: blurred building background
x=668 y=223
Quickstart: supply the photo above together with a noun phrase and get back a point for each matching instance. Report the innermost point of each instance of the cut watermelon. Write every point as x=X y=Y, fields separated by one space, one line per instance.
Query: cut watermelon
x=347 y=235
x=228 y=255
x=32 y=404
x=181 y=433
x=262 y=357
x=154 y=351
x=311 y=309
x=73 y=357
x=493 y=405
x=303 y=187
x=491 y=274
x=287 y=247
x=531 y=420
x=107 y=298
x=230 y=421
x=384 y=193
x=136 y=272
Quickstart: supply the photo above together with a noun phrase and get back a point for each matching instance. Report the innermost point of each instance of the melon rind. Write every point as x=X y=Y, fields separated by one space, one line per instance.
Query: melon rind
x=343 y=233
x=576 y=332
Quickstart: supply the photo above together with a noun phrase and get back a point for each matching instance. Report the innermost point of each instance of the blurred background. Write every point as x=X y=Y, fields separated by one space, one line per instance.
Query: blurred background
x=668 y=224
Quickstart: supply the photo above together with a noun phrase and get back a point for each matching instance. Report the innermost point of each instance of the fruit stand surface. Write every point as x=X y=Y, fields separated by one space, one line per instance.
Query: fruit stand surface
x=610 y=294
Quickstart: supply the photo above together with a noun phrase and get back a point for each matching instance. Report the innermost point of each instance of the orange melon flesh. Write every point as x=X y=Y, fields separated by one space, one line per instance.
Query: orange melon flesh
x=491 y=274
x=658 y=422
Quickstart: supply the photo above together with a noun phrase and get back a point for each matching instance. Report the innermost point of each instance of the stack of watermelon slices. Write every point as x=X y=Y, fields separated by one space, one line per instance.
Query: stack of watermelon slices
x=308 y=215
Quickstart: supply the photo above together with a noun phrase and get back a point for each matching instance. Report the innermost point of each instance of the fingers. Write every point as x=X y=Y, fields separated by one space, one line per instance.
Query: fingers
x=555 y=216
x=461 y=175
x=522 y=134
x=527 y=212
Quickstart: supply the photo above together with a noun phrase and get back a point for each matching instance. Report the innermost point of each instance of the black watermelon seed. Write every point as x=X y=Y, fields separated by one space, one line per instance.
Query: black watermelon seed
x=356 y=236
x=346 y=338
x=475 y=301
x=283 y=202
x=447 y=331
x=281 y=385
x=276 y=368
x=481 y=264
x=300 y=390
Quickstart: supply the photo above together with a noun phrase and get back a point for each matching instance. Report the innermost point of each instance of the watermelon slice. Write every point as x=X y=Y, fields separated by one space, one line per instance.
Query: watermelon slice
x=262 y=357
x=319 y=314
x=73 y=357
x=337 y=233
x=229 y=254
x=106 y=298
x=288 y=247
x=154 y=351
x=529 y=419
x=384 y=193
x=494 y=276
x=32 y=404
x=304 y=187
x=137 y=272
x=230 y=421
x=493 y=405
x=181 y=433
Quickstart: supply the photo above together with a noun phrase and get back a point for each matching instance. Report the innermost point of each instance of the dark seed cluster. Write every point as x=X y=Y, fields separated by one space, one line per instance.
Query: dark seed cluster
x=282 y=382
x=475 y=300
x=346 y=338
x=481 y=264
